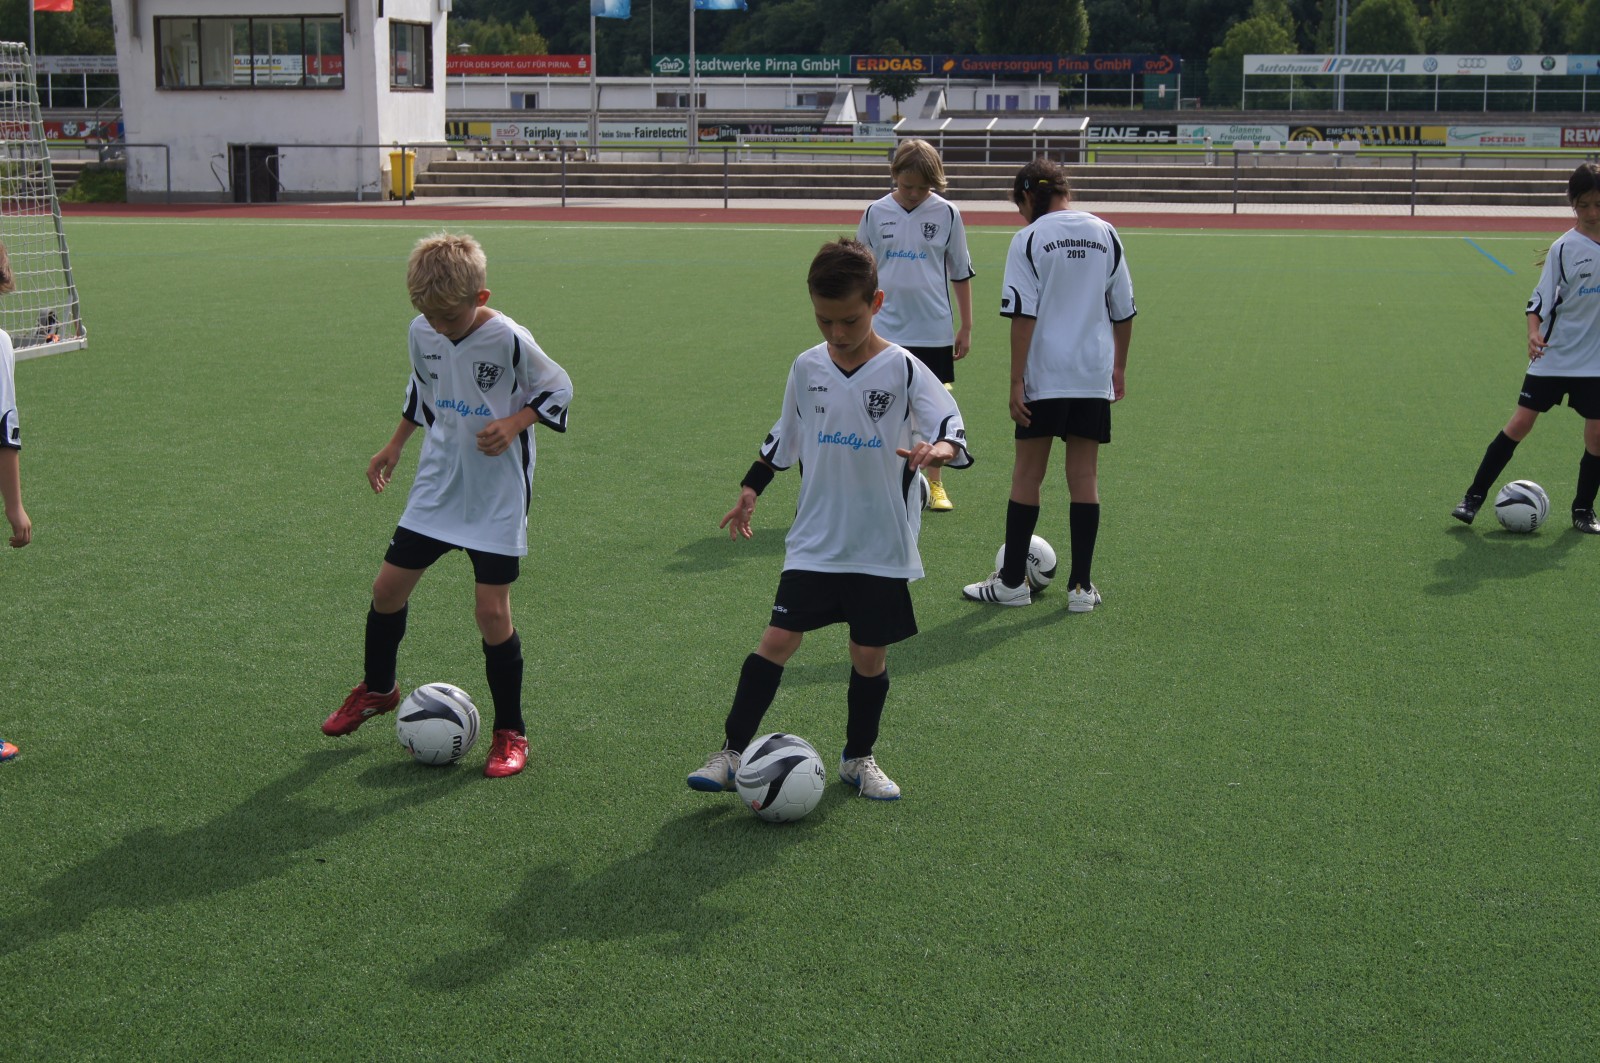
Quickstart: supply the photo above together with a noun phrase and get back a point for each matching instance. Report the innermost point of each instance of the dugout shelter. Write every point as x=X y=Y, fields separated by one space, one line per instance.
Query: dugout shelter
x=1062 y=137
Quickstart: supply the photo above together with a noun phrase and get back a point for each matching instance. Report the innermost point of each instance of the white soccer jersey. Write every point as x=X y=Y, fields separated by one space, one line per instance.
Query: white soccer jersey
x=1567 y=300
x=462 y=496
x=919 y=253
x=860 y=506
x=10 y=428
x=1067 y=270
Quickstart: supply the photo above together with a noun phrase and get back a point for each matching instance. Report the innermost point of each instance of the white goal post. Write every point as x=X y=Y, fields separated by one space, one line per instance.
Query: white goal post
x=42 y=315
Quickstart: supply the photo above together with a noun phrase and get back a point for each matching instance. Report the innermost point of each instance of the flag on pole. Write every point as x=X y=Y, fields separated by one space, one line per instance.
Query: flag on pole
x=52 y=5
x=722 y=5
x=610 y=8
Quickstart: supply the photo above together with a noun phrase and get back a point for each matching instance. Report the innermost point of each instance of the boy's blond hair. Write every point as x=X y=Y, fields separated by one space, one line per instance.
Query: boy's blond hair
x=8 y=280
x=446 y=271
x=920 y=159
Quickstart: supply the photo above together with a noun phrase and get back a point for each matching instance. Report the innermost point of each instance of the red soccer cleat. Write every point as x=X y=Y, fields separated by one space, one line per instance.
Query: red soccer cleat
x=508 y=755
x=359 y=707
x=7 y=750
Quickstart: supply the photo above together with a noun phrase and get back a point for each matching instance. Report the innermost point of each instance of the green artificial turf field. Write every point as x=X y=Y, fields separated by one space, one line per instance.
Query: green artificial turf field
x=1317 y=781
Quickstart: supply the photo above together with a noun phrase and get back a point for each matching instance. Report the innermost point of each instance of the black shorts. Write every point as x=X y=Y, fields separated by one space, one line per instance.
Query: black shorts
x=877 y=608
x=942 y=360
x=1540 y=393
x=409 y=549
x=1060 y=418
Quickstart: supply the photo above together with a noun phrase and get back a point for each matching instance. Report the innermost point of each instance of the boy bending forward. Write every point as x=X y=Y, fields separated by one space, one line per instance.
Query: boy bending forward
x=862 y=417
x=479 y=383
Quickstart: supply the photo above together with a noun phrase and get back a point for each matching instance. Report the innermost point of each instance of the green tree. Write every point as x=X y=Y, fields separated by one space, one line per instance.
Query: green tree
x=1033 y=27
x=1494 y=27
x=1586 y=34
x=1381 y=27
x=493 y=37
x=85 y=30
x=1261 y=34
x=898 y=86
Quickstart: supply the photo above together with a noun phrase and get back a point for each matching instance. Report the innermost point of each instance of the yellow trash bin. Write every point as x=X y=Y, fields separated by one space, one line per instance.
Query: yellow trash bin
x=402 y=174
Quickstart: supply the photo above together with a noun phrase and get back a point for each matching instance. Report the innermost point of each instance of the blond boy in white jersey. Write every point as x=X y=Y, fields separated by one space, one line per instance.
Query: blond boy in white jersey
x=920 y=244
x=862 y=417
x=478 y=385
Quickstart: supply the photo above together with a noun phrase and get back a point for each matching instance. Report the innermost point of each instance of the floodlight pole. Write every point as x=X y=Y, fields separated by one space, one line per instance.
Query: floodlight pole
x=594 y=104
x=694 y=116
x=1342 y=18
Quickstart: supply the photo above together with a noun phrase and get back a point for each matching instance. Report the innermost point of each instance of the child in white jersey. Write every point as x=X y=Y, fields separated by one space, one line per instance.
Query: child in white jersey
x=862 y=417
x=1563 y=354
x=479 y=383
x=1070 y=300
x=10 y=445
x=920 y=244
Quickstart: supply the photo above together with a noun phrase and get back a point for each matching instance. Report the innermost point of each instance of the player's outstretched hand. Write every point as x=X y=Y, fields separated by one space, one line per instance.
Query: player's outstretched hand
x=379 y=469
x=21 y=528
x=1019 y=409
x=738 y=519
x=925 y=454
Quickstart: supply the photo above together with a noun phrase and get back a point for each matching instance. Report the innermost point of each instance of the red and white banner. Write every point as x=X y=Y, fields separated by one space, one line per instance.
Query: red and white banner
x=52 y=5
x=524 y=65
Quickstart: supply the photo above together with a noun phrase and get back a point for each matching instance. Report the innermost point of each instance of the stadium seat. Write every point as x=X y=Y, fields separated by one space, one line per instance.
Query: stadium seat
x=1346 y=150
x=1323 y=149
x=1270 y=145
x=1242 y=149
x=569 y=148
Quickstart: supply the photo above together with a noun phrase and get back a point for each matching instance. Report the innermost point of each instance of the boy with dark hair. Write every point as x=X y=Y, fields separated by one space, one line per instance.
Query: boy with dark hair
x=1563 y=316
x=479 y=383
x=862 y=417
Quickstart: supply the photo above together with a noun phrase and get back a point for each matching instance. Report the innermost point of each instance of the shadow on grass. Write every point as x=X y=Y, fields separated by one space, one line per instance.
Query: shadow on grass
x=661 y=891
x=715 y=552
x=263 y=837
x=1499 y=555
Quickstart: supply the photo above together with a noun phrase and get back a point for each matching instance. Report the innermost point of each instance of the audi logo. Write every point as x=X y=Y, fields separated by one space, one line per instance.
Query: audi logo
x=1474 y=63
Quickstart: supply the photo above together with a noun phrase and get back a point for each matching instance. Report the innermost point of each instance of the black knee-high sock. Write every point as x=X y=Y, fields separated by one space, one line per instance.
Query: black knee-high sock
x=1495 y=459
x=865 y=698
x=502 y=666
x=758 y=685
x=1083 y=523
x=384 y=632
x=1020 y=521
x=1588 y=481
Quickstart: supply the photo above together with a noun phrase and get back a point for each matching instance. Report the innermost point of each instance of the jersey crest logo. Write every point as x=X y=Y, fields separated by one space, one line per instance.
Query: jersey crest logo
x=878 y=403
x=488 y=374
x=929 y=230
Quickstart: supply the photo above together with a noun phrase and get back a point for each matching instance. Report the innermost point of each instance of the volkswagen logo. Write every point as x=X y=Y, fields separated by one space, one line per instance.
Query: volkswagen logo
x=1430 y=64
x=1514 y=62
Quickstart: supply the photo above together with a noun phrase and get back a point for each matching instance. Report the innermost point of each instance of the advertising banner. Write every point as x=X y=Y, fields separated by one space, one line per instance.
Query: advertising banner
x=1133 y=133
x=867 y=65
x=1228 y=132
x=1462 y=136
x=975 y=66
x=751 y=65
x=1435 y=65
x=1580 y=137
x=522 y=65
x=1386 y=136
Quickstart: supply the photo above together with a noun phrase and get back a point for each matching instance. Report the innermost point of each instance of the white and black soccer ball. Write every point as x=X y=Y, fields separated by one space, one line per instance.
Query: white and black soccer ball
x=780 y=777
x=437 y=723
x=1521 y=506
x=1041 y=562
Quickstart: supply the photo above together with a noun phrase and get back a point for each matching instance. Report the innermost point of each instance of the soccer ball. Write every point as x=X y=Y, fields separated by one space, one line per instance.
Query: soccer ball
x=1041 y=563
x=1521 y=506
x=780 y=777
x=437 y=723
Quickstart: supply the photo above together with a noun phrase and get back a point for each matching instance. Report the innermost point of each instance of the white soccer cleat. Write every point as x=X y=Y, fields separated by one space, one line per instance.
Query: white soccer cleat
x=864 y=774
x=1082 y=601
x=994 y=592
x=717 y=774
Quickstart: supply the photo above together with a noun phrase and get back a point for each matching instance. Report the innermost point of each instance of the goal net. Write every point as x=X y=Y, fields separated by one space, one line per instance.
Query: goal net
x=42 y=315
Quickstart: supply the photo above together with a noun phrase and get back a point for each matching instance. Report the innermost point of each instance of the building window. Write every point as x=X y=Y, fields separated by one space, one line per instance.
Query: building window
x=410 y=55
x=679 y=100
x=530 y=100
x=250 y=52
